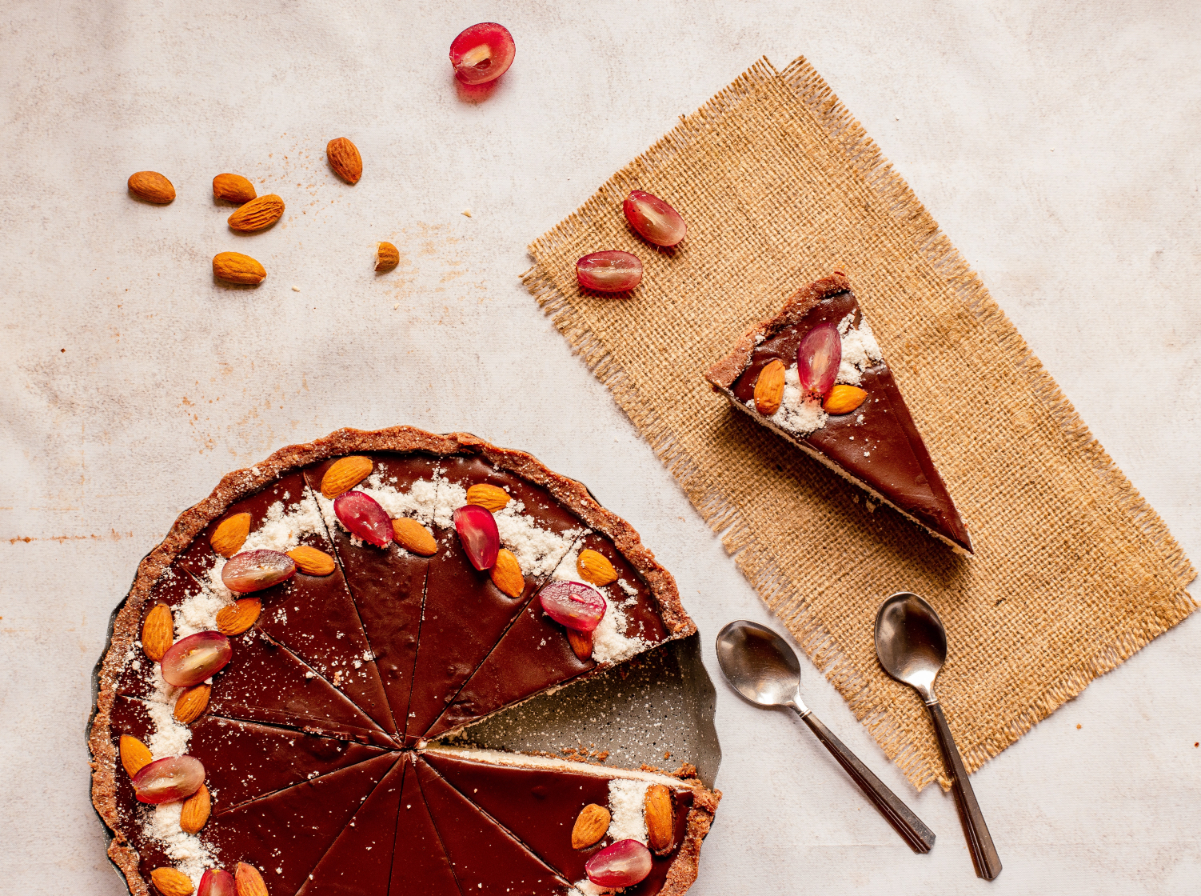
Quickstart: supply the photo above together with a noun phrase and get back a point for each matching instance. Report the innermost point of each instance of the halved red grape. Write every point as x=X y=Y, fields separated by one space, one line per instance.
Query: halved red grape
x=482 y=53
x=167 y=780
x=654 y=219
x=196 y=658
x=217 y=883
x=573 y=604
x=477 y=530
x=362 y=515
x=818 y=357
x=625 y=863
x=256 y=570
x=609 y=271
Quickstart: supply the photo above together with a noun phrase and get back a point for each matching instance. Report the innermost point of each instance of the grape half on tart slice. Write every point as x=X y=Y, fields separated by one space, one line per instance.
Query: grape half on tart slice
x=305 y=634
x=815 y=375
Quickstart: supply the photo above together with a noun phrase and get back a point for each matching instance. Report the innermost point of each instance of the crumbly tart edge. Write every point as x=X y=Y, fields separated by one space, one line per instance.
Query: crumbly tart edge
x=722 y=375
x=241 y=484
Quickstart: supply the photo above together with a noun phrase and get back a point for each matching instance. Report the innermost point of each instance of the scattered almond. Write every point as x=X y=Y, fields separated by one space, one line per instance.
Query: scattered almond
x=170 y=882
x=589 y=826
x=257 y=214
x=660 y=818
x=230 y=534
x=191 y=704
x=581 y=644
x=344 y=474
x=344 y=158
x=248 y=881
x=387 y=256
x=769 y=388
x=135 y=755
x=506 y=574
x=412 y=536
x=234 y=267
x=311 y=561
x=233 y=188
x=843 y=399
x=158 y=632
x=490 y=497
x=239 y=616
x=196 y=809
x=152 y=187
x=595 y=567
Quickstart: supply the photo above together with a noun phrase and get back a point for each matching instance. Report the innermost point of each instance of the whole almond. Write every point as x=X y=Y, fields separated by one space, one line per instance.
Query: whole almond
x=595 y=567
x=412 y=536
x=170 y=882
x=843 y=399
x=487 y=496
x=234 y=267
x=152 y=187
x=344 y=158
x=158 y=632
x=590 y=825
x=769 y=388
x=257 y=214
x=311 y=561
x=248 y=881
x=581 y=644
x=386 y=256
x=191 y=704
x=230 y=534
x=196 y=809
x=233 y=188
x=239 y=616
x=660 y=818
x=506 y=574
x=344 y=474
x=135 y=755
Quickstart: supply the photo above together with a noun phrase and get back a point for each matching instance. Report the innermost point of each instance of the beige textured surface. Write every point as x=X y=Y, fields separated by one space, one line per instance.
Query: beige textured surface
x=1073 y=571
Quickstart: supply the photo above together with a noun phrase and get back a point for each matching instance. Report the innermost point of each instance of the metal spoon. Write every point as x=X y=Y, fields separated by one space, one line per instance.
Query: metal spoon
x=912 y=647
x=764 y=669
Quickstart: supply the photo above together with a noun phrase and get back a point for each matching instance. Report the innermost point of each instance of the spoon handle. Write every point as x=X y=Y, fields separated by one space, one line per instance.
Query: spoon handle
x=919 y=837
x=979 y=840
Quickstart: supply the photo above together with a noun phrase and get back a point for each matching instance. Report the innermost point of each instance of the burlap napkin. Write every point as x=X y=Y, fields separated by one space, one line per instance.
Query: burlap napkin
x=1073 y=571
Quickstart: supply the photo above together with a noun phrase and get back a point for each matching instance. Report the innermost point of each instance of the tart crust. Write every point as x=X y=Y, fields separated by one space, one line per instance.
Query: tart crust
x=240 y=484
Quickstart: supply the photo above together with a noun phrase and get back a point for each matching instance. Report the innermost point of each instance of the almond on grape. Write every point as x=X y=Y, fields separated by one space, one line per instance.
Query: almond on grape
x=135 y=755
x=344 y=158
x=581 y=644
x=843 y=399
x=589 y=826
x=344 y=474
x=257 y=214
x=230 y=534
x=490 y=497
x=191 y=704
x=594 y=567
x=506 y=574
x=311 y=561
x=171 y=882
x=412 y=536
x=234 y=267
x=158 y=632
x=152 y=187
x=239 y=616
x=195 y=812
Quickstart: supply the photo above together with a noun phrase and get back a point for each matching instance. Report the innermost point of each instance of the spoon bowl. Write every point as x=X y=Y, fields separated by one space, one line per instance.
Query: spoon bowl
x=760 y=664
x=911 y=642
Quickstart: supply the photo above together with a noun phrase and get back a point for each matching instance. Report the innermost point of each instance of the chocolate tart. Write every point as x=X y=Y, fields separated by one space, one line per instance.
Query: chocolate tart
x=876 y=445
x=325 y=738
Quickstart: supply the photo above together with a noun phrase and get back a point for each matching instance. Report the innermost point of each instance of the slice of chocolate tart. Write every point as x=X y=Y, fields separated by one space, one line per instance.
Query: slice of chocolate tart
x=815 y=375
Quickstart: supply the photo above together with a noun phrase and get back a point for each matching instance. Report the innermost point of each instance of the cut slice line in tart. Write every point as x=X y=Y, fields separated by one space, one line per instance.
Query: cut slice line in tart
x=855 y=422
x=326 y=781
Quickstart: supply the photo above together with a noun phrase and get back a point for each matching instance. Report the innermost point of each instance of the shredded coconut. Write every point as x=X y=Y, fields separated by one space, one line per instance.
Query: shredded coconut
x=859 y=350
x=169 y=738
x=586 y=887
x=188 y=852
x=797 y=412
x=420 y=502
x=538 y=551
x=626 y=802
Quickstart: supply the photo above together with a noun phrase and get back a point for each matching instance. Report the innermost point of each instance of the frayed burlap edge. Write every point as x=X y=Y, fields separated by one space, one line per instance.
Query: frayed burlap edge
x=865 y=158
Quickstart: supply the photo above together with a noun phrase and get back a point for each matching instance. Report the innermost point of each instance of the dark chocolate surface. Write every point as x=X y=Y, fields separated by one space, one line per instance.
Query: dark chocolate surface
x=878 y=443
